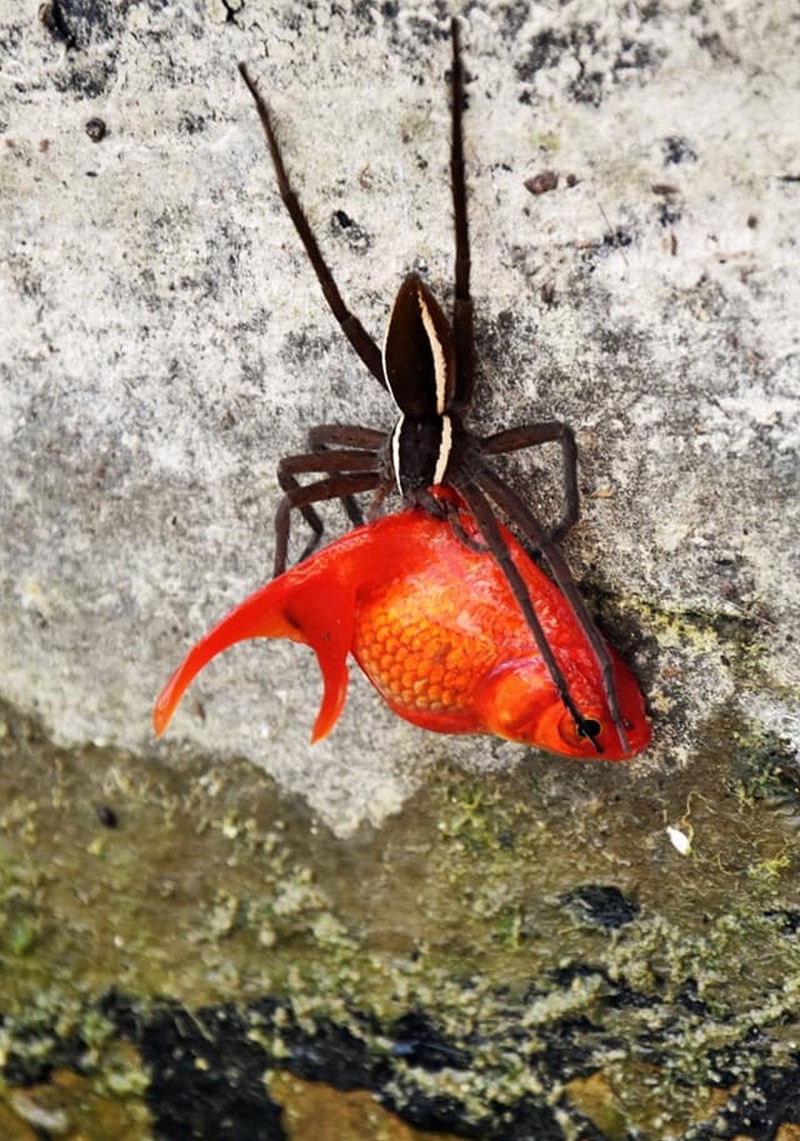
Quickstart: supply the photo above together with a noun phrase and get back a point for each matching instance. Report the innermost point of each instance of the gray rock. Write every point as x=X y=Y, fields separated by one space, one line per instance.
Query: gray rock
x=164 y=343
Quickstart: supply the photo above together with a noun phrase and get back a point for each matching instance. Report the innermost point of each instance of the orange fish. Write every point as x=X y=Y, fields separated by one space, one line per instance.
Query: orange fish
x=433 y=624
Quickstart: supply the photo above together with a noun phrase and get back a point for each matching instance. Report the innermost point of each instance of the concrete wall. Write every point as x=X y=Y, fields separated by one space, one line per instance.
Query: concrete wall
x=163 y=342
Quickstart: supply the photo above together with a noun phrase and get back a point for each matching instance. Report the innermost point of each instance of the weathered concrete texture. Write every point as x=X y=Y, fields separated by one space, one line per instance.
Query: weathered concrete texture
x=164 y=341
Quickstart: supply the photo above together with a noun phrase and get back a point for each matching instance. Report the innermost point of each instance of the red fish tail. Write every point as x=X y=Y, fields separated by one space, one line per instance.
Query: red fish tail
x=313 y=608
x=259 y=616
x=324 y=611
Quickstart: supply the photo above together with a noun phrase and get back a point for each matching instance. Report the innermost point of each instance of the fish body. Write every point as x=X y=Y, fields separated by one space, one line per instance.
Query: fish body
x=432 y=623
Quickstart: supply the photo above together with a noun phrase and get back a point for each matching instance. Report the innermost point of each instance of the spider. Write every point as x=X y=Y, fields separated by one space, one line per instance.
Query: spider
x=427 y=366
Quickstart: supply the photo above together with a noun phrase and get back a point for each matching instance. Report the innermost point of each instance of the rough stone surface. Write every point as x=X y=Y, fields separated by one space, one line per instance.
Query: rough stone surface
x=515 y=955
x=163 y=342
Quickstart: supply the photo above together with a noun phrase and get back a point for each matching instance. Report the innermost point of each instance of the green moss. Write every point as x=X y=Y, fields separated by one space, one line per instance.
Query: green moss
x=765 y=766
x=212 y=888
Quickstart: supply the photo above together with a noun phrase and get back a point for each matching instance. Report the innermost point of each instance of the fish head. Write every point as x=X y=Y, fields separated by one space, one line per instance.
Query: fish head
x=518 y=701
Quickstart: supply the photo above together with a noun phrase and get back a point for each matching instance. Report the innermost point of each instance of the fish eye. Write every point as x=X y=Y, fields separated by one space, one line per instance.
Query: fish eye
x=589 y=728
x=582 y=733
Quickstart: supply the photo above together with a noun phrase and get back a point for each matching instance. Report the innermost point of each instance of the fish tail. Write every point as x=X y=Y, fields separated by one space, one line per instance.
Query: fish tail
x=324 y=613
x=307 y=608
x=335 y=679
x=259 y=616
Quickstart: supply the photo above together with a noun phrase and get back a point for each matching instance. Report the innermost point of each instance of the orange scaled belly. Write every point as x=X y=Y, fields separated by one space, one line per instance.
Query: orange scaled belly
x=427 y=641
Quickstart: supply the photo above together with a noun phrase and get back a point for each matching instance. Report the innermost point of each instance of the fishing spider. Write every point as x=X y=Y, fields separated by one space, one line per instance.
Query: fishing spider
x=428 y=368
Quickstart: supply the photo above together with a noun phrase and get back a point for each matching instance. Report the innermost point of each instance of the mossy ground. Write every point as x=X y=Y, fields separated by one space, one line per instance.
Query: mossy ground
x=532 y=939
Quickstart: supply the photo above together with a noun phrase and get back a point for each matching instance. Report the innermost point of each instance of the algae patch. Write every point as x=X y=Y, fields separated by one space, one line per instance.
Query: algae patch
x=490 y=948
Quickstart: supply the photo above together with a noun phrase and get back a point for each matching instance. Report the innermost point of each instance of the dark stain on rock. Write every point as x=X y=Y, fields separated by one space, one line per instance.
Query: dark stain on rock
x=678 y=149
x=418 y=1040
x=207 y=1077
x=602 y=905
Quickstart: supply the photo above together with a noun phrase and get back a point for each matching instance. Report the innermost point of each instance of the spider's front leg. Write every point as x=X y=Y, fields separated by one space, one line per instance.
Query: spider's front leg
x=350 y=325
x=349 y=473
x=324 y=437
x=547 y=432
x=474 y=494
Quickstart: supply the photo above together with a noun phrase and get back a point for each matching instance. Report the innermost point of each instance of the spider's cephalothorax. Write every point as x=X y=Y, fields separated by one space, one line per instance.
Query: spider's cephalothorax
x=428 y=365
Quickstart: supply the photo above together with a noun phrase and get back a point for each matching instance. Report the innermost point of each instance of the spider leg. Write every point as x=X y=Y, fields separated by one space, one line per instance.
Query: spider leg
x=522 y=517
x=345 y=436
x=349 y=436
x=488 y=526
x=332 y=462
x=462 y=309
x=378 y=499
x=529 y=435
x=460 y=533
x=337 y=486
x=335 y=461
x=352 y=328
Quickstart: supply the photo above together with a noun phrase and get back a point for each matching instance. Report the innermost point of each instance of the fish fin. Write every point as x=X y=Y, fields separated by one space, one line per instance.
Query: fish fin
x=514 y=699
x=308 y=608
x=261 y=615
x=327 y=619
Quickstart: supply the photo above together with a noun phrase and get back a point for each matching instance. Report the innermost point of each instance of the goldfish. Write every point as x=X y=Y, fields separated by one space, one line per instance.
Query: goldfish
x=428 y=616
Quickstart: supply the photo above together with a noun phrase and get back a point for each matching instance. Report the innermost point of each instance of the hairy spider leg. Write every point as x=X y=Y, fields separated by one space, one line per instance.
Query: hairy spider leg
x=517 y=511
x=336 y=487
x=352 y=328
x=345 y=436
x=327 y=436
x=365 y=347
x=487 y=523
x=513 y=438
x=360 y=448
x=345 y=462
x=352 y=509
x=529 y=435
x=463 y=332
